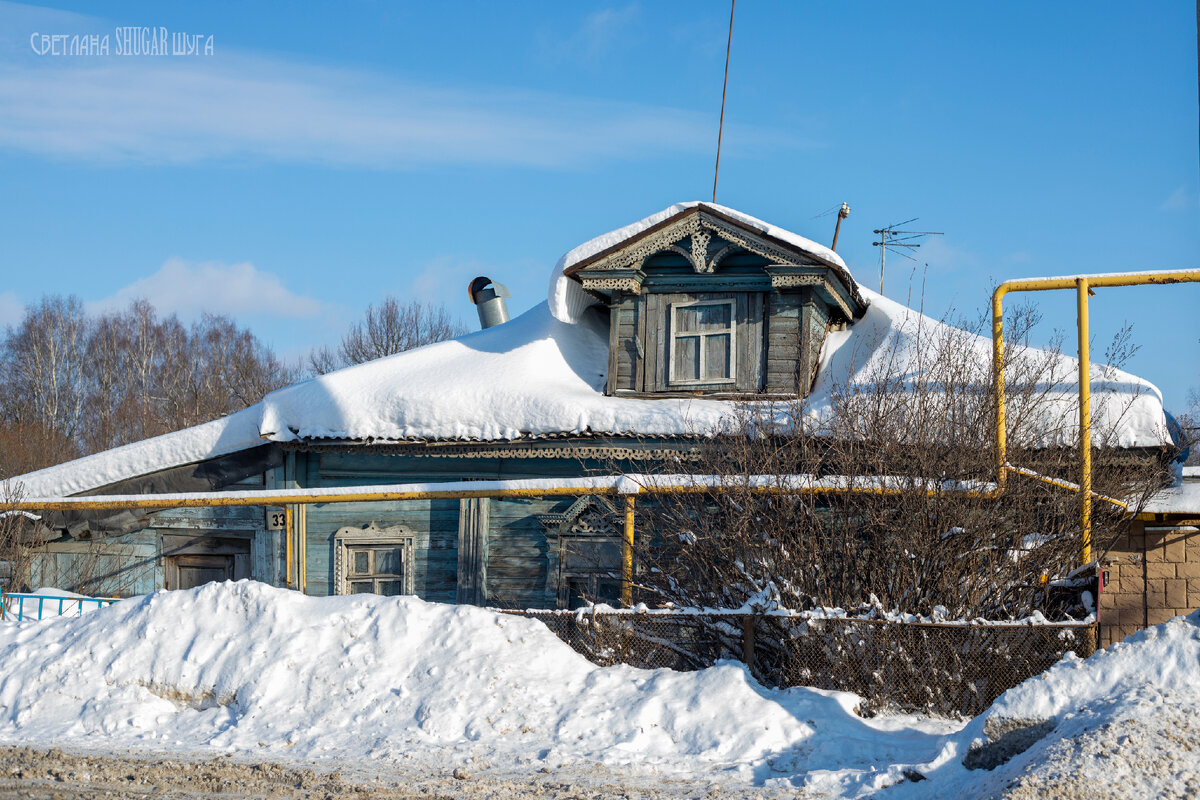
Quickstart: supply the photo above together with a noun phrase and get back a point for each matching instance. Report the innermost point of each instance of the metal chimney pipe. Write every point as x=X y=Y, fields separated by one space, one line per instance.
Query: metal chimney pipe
x=488 y=297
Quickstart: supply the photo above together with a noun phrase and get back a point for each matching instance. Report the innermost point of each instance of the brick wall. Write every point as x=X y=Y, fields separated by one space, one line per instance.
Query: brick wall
x=1153 y=574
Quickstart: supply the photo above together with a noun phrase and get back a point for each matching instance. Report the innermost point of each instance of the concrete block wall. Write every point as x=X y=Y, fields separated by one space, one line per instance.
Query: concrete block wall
x=1152 y=574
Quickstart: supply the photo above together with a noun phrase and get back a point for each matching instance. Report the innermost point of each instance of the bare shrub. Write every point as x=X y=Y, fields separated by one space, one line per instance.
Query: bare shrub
x=899 y=509
x=18 y=539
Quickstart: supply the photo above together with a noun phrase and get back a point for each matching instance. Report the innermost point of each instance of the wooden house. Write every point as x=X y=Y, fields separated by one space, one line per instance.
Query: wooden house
x=649 y=333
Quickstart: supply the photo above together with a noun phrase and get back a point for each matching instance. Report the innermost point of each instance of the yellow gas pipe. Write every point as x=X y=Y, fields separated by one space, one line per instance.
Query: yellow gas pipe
x=1083 y=285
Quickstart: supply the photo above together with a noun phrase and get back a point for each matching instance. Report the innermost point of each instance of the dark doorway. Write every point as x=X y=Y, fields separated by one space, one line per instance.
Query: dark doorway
x=191 y=560
x=193 y=571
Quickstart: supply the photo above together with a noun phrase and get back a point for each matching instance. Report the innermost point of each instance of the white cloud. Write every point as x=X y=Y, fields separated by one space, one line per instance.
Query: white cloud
x=12 y=310
x=1176 y=201
x=232 y=107
x=600 y=32
x=241 y=106
x=190 y=289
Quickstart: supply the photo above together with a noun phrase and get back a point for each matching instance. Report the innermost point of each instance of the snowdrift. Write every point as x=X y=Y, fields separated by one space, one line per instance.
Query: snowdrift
x=246 y=668
x=243 y=667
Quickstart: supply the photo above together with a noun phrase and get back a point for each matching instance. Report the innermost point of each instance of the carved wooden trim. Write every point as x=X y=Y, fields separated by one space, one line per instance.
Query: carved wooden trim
x=699 y=230
x=372 y=534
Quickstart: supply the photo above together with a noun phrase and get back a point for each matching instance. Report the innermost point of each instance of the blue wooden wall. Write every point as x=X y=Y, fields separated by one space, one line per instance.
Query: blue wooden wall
x=515 y=549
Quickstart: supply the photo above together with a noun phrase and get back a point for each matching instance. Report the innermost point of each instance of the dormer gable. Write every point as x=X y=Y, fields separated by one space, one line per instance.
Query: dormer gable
x=705 y=303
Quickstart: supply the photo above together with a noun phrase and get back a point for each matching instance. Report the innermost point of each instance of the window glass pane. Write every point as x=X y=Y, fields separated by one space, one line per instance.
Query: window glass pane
x=687 y=319
x=592 y=555
x=577 y=591
x=608 y=592
x=388 y=561
x=716 y=356
x=715 y=317
x=360 y=562
x=362 y=587
x=388 y=588
x=687 y=358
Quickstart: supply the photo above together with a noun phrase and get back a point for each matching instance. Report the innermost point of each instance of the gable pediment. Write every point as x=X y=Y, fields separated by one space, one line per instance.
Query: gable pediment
x=705 y=239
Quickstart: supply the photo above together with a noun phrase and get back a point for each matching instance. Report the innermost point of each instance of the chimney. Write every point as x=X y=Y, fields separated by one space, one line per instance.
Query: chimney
x=488 y=297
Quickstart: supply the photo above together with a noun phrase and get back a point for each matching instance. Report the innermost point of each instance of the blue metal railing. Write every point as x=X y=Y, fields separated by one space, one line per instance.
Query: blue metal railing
x=47 y=605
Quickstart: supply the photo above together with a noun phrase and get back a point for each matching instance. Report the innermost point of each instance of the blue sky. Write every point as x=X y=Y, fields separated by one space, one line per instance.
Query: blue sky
x=324 y=156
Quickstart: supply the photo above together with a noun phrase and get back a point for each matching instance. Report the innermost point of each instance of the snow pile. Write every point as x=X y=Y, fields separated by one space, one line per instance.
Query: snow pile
x=568 y=300
x=1119 y=724
x=243 y=667
x=220 y=437
x=1183 y=498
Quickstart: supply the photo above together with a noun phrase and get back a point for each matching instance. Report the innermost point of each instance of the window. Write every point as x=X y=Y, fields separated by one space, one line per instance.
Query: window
x=378 y=569
x=374 y=560
x=702 y=343
x=591 y=570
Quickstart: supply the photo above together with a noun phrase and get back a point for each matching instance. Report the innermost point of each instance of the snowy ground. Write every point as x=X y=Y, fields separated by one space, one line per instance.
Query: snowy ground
x=398 y=694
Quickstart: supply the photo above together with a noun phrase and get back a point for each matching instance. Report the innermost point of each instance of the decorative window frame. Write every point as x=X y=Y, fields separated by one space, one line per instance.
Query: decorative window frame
x=394 y=535
x=731 y=331
x=590 y=518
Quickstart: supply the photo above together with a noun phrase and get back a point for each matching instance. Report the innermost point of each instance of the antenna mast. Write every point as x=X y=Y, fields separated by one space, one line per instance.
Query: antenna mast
x=893 y=239
x=724 y=86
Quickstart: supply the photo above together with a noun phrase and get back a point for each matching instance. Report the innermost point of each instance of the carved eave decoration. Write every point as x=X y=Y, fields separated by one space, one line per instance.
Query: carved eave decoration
x=704 y=237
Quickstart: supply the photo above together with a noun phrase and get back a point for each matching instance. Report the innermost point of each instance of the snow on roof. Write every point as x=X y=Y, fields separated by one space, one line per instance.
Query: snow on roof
x=544 y=373
x=893 y=340
x=1183 y=498
x=567 y=298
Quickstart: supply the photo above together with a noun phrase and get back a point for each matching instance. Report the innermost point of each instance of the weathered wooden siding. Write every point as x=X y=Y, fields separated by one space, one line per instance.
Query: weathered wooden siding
x=517 y=559
x=783 y=342
x=814 y=327
x=625 y=344
x=132 y=564
x=118 y=566
x=514 y=558
x=435 y=555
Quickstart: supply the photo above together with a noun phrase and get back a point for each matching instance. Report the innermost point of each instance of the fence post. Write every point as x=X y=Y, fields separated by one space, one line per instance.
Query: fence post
x=748 y=628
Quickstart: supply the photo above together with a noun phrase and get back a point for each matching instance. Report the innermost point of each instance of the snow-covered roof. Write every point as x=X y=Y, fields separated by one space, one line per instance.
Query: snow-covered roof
x=1183 y=498
x=544 y=374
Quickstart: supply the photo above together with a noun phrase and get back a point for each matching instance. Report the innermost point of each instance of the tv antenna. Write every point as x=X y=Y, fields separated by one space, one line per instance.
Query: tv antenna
x=899 y=242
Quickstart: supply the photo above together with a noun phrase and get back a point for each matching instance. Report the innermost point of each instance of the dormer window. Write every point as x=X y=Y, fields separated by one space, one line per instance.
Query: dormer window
x=702 y=343
x=707 y=302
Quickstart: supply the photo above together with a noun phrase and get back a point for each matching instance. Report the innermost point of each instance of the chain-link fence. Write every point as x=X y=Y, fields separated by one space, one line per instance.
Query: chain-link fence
x=953 y=669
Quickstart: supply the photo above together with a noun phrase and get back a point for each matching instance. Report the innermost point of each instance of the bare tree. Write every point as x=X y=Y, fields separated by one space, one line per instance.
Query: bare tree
x=71 y=384
x=43 y=366
x=386 y=329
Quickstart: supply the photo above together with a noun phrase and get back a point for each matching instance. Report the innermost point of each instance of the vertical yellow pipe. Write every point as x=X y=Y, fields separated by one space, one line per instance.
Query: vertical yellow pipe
x=627 y=554
x=998 y=373
x=302 y=546
x=288 y=525
x=1085 y=425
